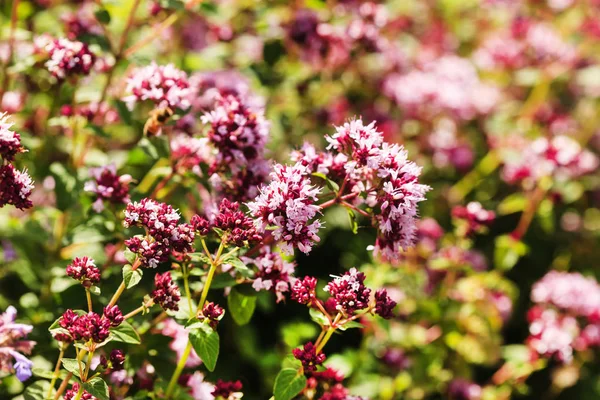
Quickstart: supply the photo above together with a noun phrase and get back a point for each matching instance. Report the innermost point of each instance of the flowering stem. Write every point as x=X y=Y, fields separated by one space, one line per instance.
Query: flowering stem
x=11 y=41
x=358 y=210
x=79 y=393
x=328 y=334
x=186 y=286
x=178 y=370
x=63 y=386
x=89 y=299
x=214 y=263
x=141 y=308
x=120 y=49
x=322 y=309
x=527 y=216
x=122 y=287
x=55 y=375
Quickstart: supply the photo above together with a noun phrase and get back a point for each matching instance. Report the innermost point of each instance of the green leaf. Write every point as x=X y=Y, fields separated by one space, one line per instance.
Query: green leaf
x=131 y=277
x=95 y=290
x=334 y=187
x=205 y=341
x=37 y=391
x=72 y=366
x=241 y=306
x=64 y=188
x=130 y=256
x=103 y=16
x=239 y=266
x=350 y=325
x=97 y=388
x=124 y=112
x=353 y=223
x=288 y=384
x=318 y=317
x=125 y=333
x=511 y=204
x=199 y=257
x=508 y=251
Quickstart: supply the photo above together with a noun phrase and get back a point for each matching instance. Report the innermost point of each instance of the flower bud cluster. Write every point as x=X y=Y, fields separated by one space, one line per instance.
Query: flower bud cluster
x=15 y=185
x=273 y=273
x=164 y=234
x=84 y=270
x=109 y=186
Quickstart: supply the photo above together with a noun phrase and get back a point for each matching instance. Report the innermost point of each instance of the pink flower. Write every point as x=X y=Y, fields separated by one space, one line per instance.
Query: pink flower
x=15 y=187
x=10 y=141
x=166 y=292
x=288 y=203
x=180 y=340
x=569 y=292
x=66 y=58
x=84 y=270
x=13 y=345
x=273 y=273
x=199 y=388
x=107 y=185
x=350 y=293
x=166 y=86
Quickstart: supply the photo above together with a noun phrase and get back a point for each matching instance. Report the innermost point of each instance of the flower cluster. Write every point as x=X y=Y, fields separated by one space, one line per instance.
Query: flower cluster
x=71 y=394
x=15 y=186
x=66 y=58
x=227 y=390
x=288 y=203
x=212 y=313
x=448 y=85
x=239 y=132
x=303 y=290
x=462 y=389
x=165 y=86
x=566 y=316
x=109 y=186
x=13 y=345
x=10 y=141
x=383 y=173
x=238 y=226
x=309 y=357
x=187 y=153
x=84 y=270
x=560 y=156
x=474 y=215
x=272 y=273
x=86 y=327
x=166 y=293
x=349 y=292
x=164 y=234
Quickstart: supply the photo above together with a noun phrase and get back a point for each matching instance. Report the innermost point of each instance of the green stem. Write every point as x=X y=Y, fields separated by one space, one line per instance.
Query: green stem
x=55 y=375
x=89 y=299
x=214 y=263
x=122 y=287
x=329 y=332
x=178 y=370
x=79 y=393
x=186 y=286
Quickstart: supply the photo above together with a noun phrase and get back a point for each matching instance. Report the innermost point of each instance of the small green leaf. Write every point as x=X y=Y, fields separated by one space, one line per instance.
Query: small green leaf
x=125 y=333
x=131 y=277
x=199 y=257
x=205 y=341
x=97 y=388
x=239 y=265
x=318 y=317
x=72 y=366
x=350 y=325
x=241 y=306
x=334 y=187
x=37 y=391
x=95 y=290
x=288 y=384
x=508 y=251
x=130 y=256
x=353 y=223
x=124 y=112
x=102 y=16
